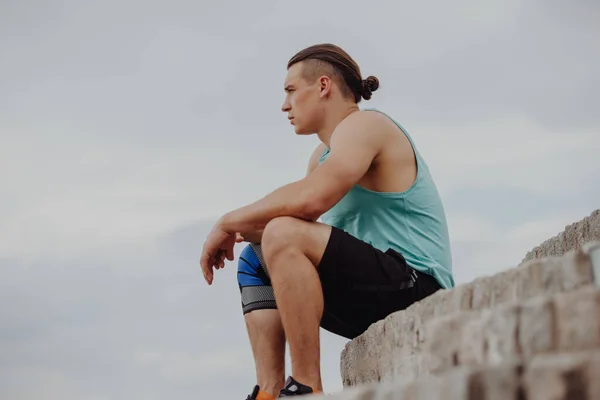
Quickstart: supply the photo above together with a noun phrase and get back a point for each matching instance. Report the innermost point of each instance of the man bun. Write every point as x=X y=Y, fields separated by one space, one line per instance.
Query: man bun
x=369 y=85
x=329 y=59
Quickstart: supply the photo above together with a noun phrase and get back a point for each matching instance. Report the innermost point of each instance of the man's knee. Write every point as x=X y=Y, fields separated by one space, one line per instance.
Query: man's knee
x=280 y=233
x=285 y=235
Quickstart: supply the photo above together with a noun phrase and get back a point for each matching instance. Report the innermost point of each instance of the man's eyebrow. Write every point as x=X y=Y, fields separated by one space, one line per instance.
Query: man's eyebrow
x=288 y=87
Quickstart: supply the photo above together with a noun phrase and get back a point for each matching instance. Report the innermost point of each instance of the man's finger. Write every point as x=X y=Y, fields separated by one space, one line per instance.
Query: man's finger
x=206 y=265
x=219 y=259
x=222 y=260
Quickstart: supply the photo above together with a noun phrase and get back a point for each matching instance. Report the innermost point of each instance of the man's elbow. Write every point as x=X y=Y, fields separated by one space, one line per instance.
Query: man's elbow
x=311 y=213
x=312 y=206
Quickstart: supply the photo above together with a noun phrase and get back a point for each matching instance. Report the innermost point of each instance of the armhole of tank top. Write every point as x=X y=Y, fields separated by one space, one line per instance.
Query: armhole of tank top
x=324 y=154
x=410 y=141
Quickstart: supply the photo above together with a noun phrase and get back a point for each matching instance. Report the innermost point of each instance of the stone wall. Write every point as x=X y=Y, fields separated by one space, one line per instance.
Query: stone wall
x=531 y=332
x=564 y=376
x=574 y=236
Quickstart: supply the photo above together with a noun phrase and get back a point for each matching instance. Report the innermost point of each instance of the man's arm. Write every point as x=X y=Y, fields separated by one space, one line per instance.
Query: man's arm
x=354 y=145
x=313 y=162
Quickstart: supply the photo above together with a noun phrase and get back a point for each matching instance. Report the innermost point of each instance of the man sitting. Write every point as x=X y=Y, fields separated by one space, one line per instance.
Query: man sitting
x=381 y=246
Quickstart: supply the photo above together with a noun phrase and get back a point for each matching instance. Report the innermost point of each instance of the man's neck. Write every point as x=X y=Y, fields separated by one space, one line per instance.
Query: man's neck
x=333 y=119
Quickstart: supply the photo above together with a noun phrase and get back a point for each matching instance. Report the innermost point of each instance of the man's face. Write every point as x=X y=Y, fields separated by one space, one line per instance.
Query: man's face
x=301 y=101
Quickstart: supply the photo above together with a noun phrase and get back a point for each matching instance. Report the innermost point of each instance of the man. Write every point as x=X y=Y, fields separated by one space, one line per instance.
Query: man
x=383 y=243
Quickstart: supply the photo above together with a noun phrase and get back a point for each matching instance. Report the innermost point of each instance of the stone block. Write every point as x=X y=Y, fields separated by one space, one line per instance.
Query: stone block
x=384 y=352
x=578 y=319
x=564 y=376
x=593 y=374
x=454 y=384
x=425 y=308
x=576 y=270
x=360 y=361
x=447 y=302
x=506 y=287
x=491 y=338
x=487 y=337
x=466 y=383
x=482 y=293
x=500 y=333
x=594 y=252
x=444 y=340
x=554 y=275
x=495 y=383
x=398 y=345
x=537 y=333
x=420 y=389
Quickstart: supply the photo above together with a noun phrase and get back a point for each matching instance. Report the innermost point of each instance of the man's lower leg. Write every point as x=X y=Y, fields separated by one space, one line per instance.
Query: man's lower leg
x=300 y=302
x=267 y=339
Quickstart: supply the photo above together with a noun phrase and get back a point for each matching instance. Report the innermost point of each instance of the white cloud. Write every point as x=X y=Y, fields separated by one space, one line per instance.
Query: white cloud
x=468 y=227
x=511 y=153
x=106 y=193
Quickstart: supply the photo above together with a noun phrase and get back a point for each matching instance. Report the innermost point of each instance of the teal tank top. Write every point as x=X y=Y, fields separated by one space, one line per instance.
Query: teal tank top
x=412 y=222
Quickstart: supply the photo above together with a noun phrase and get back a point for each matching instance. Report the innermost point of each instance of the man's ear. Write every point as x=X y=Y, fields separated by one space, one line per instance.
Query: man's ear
x=325 y=86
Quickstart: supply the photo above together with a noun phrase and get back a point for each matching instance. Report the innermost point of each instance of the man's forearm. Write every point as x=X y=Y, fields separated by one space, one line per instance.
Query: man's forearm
x=292 y=200
x=252 y=236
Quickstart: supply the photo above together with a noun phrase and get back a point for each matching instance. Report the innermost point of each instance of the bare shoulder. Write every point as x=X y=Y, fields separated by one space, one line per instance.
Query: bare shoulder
x=365 y=126
x=379 y=134
x=313 y=162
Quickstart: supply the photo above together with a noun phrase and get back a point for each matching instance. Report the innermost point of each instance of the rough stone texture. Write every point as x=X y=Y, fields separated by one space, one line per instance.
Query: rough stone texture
x=361 y=361
x=510 y=333
x=495 y=383
x=594 y=250
x=490 y=383
x=482 y=292
x=565 y=376
x=537 y=331
x=452 y=301
x=443 y=340
x=505 y=334
x=491 y=338
x=574 y=236
x=392 y=348
x=530 y=332
x=578 y=319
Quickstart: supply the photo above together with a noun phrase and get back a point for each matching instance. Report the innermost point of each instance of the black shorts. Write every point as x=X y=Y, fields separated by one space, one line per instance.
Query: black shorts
x=361 y=284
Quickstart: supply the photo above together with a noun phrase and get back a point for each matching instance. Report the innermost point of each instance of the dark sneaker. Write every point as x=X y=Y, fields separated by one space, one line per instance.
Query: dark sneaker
x=254 y=393
x=294 y=388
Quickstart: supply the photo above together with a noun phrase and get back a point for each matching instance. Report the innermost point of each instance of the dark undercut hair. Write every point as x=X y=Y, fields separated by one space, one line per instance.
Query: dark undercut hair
x=333 y=61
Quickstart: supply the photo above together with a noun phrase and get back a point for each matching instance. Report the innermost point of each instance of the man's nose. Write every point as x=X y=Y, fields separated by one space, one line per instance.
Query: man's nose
x=285 y=107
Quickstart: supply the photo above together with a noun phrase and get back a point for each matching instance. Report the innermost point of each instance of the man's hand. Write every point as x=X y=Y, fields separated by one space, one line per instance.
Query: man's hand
x=218 y=246
x=250 y=236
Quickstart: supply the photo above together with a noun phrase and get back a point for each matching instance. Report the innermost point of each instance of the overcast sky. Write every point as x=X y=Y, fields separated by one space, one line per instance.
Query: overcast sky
x=128 y=127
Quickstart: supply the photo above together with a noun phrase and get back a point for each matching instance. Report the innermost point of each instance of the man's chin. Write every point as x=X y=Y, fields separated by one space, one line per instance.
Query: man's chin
x=299 y=131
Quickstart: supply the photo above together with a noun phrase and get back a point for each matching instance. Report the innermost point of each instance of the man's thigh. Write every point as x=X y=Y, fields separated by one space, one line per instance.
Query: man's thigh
x=362 y=284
